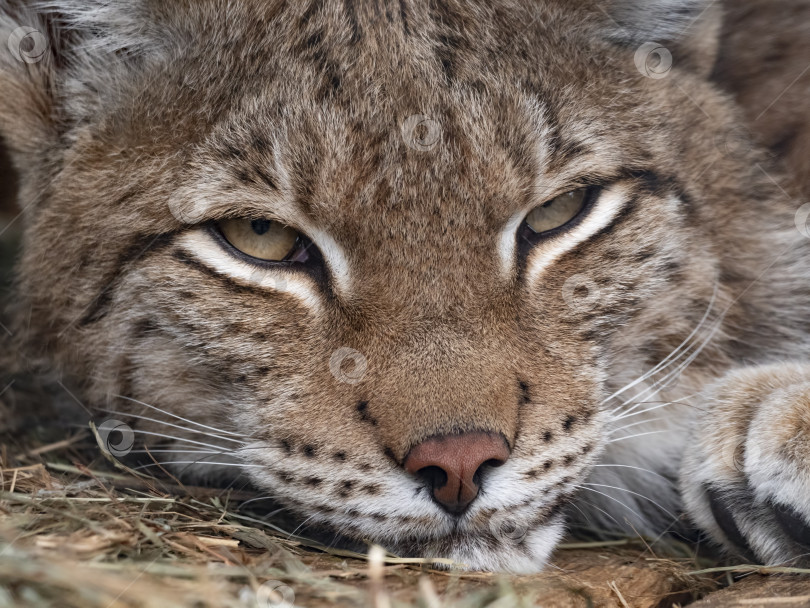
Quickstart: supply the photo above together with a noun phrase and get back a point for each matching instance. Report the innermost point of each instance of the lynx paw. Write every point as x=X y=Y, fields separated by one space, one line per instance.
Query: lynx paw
x=745 y=477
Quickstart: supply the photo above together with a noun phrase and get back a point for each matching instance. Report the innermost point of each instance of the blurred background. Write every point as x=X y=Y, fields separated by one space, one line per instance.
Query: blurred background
x=9 y=230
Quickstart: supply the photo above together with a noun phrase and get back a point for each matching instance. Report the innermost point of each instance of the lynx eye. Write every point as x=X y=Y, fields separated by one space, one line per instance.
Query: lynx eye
x=558 y=211
x=265 y=240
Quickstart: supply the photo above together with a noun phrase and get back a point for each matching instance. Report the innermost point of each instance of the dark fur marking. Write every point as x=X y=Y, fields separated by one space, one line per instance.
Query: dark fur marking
x=309 y=451
x=267 y=179
x=143 y=327
x=313 y=8
x=722 y=515
x=362 y=409
x=792 y=524
x=357 y=33
x=260 y=143
x=525 y=397
x=403 y=16
x=548 y=436
x=645 y=254
x=99 y=306
x=569 y=422
x=389 y=453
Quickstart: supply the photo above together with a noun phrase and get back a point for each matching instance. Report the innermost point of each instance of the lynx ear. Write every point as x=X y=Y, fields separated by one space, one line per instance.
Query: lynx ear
x=26 y=62
x=60 y=61
x=688 y=29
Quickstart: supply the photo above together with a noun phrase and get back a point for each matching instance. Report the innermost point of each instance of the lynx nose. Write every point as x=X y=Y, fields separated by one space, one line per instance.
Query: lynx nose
x=451 y=465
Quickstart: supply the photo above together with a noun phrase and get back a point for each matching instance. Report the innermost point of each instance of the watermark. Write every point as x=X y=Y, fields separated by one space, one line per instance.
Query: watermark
x=260 y=276
x=421 y=132
x=734 y=142
x=803 y=220
x=580 y=293
x=653 y=60
x=186 y=209
x=117 y=436
x=27 y=44
x=740 y=454
x=348 y=365
x=278 y=283
x=274 y=594
x=506 y=528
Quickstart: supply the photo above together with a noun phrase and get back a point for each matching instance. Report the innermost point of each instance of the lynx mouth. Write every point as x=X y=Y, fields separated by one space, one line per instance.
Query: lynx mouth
x=517 y=539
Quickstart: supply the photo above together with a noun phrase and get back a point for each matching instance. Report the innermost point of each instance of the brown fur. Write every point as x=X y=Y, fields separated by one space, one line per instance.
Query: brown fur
x=295 y=110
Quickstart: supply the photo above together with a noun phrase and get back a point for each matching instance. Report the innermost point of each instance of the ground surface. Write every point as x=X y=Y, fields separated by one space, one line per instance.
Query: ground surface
x=75 y=531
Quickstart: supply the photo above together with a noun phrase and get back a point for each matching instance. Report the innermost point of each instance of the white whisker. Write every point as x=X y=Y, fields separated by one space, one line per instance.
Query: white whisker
x=602 y=485
x=181 y=439
x=613 y=498
x=176 y=426
x=640 y=422
x=200 y=461
x=667 y=361
x=628 y=466
x=157 y=409
x=617 y=439
x=652 y=409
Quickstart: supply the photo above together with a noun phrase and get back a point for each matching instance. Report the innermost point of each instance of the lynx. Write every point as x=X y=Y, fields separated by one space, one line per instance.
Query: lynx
x=446 y=276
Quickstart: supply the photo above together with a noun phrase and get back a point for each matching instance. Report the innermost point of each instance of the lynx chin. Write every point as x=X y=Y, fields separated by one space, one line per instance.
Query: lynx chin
x=448 y=276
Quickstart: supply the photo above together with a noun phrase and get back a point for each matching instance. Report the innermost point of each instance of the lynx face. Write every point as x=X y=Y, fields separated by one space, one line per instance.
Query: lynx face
x=366 y=251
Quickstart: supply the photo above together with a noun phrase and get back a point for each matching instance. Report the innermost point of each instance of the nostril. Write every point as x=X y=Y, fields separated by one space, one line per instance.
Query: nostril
x=492 y=463
x=433 y=477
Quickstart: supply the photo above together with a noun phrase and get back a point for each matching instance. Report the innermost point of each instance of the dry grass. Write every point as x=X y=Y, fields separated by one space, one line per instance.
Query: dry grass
x=77 y=531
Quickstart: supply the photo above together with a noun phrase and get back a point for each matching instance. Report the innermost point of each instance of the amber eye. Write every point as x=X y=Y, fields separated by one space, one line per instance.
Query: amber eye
x=266 y=240
x=558 y=211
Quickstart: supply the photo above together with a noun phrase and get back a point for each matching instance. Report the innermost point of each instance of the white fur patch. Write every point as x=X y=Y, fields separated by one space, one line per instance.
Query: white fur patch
x=610 y=203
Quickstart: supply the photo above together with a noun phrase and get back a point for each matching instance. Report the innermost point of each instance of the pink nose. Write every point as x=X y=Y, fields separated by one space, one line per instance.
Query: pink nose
x=451 y=465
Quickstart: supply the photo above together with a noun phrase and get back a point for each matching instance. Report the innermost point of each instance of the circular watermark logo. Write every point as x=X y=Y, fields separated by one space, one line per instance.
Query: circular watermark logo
x=348 y=365
x=421 y=132
x=653 y=60
x=27 y=44
x=507 y=528
x=279 y=283
x=580 y=293
x=803 y=220
x=735 y=141
x=262 y=276
x=117 y=436
x=187 y=210
x=734 y=455
x=274 y=594
x=740 y=454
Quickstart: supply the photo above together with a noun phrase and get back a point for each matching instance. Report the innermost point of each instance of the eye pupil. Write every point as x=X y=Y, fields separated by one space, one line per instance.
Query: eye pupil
x=260 y=226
